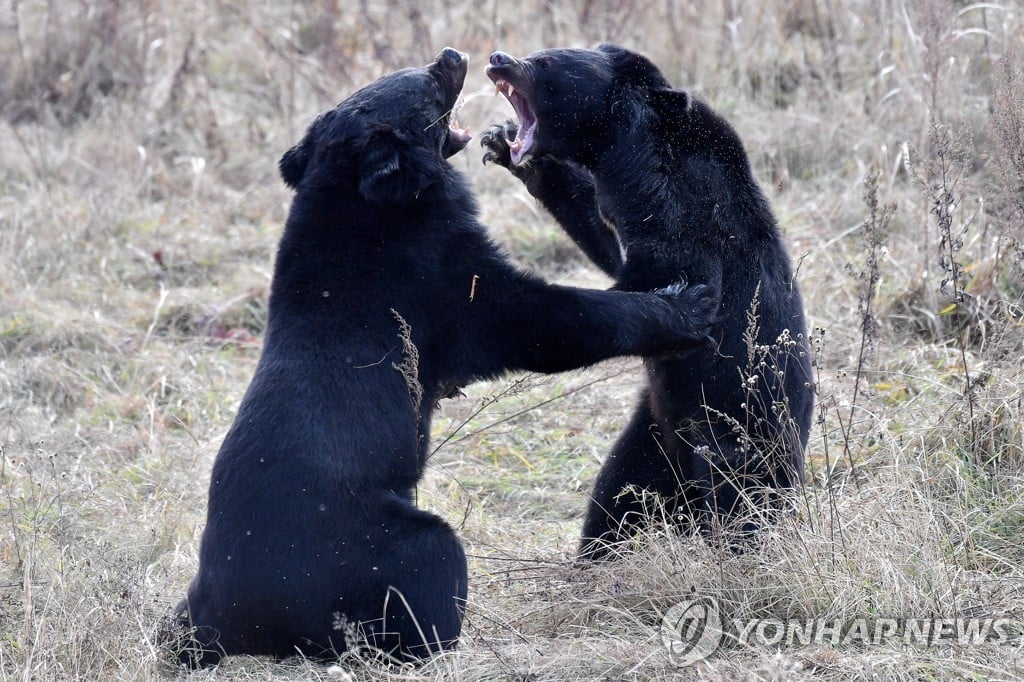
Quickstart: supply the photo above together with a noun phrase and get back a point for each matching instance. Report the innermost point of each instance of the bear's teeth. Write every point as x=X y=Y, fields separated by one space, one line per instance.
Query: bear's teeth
x=516 y=146
x=504 y=88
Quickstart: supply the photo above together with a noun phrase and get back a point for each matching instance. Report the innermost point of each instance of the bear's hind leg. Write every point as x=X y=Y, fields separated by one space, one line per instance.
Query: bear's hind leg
x=427 y=580
x=621 y=503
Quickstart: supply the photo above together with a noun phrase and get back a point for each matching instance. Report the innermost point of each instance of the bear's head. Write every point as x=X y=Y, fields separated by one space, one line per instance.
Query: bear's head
x=569 y=101
x=389 y=140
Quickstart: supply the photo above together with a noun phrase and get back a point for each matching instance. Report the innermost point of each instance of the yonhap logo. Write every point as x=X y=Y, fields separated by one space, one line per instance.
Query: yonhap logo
x=692 y=630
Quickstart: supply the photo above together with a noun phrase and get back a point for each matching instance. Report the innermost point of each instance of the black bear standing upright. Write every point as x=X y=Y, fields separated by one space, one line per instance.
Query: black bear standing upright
x=387 y=296
x=626 y=163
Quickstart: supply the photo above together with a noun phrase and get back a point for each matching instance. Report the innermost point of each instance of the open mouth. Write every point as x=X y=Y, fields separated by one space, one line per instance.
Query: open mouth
x=452 y=66
x=520 y=147
x=458 y=134
x=456 y=137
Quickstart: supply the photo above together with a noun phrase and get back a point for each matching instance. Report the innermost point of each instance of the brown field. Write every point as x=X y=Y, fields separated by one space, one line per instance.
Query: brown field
x=139 y=212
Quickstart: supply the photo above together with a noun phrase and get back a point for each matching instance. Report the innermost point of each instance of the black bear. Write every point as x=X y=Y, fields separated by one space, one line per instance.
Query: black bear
x=650 y=182
x=387 y=296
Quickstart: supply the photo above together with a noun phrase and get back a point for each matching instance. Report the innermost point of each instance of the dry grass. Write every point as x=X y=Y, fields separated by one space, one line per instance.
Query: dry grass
x=139 y=212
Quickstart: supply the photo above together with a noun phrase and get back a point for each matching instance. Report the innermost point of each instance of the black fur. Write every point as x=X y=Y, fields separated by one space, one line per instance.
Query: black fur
x=312 y=526
x=618 y=155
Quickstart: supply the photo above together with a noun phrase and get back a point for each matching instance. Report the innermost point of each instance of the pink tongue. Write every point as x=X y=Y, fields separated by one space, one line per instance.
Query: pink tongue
x=459 y=133
x=520 y=147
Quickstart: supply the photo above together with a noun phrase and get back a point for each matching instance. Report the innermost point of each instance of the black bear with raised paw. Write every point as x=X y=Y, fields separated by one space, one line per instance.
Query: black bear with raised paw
x=387 y=296
x=650 y=182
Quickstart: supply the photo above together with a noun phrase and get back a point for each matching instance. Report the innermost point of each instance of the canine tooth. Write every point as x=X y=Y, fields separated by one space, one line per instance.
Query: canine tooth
x=511 y=90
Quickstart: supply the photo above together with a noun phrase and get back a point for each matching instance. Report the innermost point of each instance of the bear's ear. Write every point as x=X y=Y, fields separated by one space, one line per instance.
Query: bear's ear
x=394 y=169
x=673 y=100
x=293 y=164
x=635 y=69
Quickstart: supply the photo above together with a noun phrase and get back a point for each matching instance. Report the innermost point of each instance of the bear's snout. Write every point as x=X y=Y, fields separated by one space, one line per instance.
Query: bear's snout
x=451 y=57
x=502 y=59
